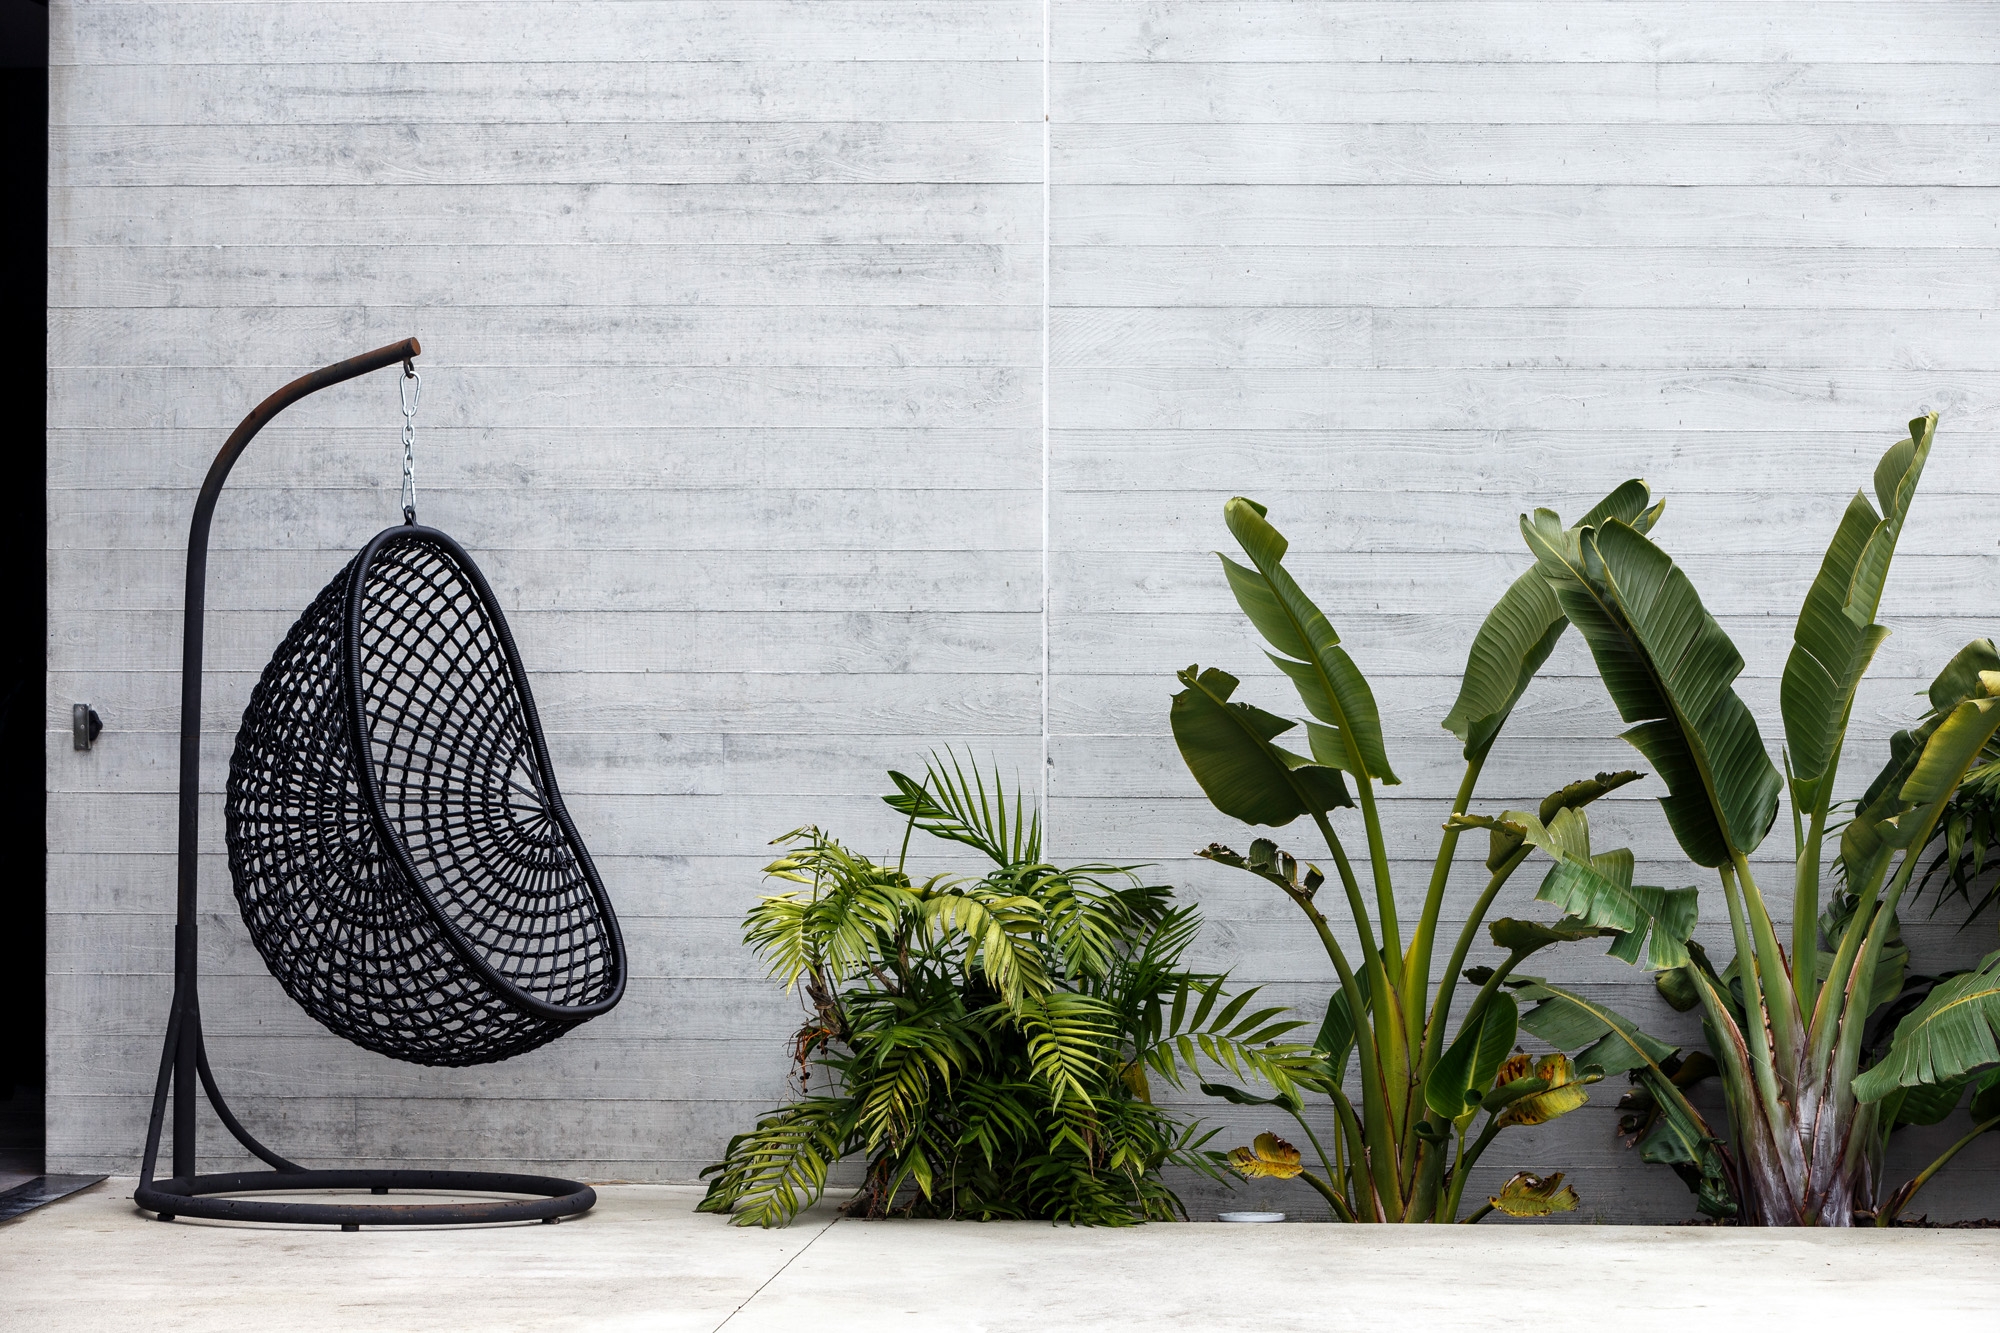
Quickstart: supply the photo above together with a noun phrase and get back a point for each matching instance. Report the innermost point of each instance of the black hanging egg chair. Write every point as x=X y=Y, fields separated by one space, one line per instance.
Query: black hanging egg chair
x=400 y=853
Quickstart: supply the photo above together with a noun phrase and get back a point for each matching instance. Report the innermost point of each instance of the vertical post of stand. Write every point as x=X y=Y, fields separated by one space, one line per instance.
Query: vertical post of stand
x=187 y=1007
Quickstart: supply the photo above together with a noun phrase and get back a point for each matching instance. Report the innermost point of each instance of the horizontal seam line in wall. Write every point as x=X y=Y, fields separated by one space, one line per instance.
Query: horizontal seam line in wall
x=1801 y=123
x=556 y=311
x=1804 y=122
x=1034 y=61
x=1107 y=433
x=565 y=245
x=404 y=123
x=1191 y=552
x=1543 y=365
x=691 y=182
x=872 y=366
x=1324 y=556
x=1475 y=486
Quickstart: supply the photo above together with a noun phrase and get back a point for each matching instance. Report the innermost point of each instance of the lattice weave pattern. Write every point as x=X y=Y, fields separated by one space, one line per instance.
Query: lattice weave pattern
x=437 y=905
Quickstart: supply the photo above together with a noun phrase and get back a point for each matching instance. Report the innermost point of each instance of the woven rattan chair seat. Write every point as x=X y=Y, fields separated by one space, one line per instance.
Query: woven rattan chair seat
x=400 y=852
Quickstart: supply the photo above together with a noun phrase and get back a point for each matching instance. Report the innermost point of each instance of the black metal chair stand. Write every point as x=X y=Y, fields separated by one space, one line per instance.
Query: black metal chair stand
x=400 y=853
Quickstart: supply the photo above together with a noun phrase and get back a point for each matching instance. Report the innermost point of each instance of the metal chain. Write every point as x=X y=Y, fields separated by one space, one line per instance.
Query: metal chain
x=411 y=390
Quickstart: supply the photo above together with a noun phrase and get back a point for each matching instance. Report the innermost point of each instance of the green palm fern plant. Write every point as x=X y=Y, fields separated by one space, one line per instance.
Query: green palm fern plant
x=990 y=1040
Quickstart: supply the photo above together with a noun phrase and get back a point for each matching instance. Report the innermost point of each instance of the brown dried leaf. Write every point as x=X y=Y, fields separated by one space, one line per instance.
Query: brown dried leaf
x=1268 y=1156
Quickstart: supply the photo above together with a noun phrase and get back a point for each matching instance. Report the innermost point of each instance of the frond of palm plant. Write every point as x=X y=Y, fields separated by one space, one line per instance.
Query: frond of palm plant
x=988 y=1037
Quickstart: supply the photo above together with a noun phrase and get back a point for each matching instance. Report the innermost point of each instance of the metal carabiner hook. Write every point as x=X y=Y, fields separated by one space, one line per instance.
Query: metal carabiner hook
x=410 y=390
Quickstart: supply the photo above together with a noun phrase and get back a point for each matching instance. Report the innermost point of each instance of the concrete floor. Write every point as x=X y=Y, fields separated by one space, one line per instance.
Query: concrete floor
x=644 y=1260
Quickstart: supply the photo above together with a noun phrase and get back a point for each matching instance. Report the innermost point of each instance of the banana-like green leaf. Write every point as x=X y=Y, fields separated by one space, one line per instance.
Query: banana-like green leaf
x=1985 y=1104
x=1465 y=1072
x=1925 y=1104
x=1522 y=938
x=1336 y=1031
x=1676 y=986
x=1507 y=1090
x=1959 y=680
x=1670 y=670
x=1670 y=1132
x=1865 y=846
x=1507 y=837
x=1598 y=890
x=1526 y=1195
x=1883 y=816
x=1613 y=1043
x=1228 y=748
x=1308 y=650
x=1837 y=635
x=1288 y=1101
x=1955 y=1031
x=1660 y=919
x=1521 y=630
x=1955 y=746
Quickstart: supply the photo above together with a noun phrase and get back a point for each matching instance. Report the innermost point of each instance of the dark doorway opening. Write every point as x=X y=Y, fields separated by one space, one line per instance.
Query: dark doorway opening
x=24 y=100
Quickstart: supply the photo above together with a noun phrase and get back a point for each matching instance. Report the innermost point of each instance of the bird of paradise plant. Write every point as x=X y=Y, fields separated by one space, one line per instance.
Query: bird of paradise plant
x=1787 y=1029
x=1402 y=1153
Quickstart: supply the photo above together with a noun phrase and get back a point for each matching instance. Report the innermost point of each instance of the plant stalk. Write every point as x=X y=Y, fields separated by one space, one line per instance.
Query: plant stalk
x=1805 y=908
x=1376 y=1092
x=1378 y=864
x=1755 y=1017
x=1448 y=980
x=1417 y=975
x=1340 y=1207
x=1887 y=1215
x=1783 y=1007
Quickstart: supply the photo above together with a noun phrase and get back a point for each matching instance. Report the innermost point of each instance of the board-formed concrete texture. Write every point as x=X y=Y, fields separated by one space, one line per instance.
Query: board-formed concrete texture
x=819 y=382
x=643 y=1260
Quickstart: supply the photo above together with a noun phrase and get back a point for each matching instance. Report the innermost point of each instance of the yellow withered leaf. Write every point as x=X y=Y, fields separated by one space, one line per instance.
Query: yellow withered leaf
x=1563 y=1095
x=1529 y=1195
x=1519 y=1065
x=1268 y=1155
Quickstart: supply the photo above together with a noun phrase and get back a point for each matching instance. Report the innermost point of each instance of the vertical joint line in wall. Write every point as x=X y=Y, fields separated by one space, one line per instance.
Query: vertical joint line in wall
x=1045 y=607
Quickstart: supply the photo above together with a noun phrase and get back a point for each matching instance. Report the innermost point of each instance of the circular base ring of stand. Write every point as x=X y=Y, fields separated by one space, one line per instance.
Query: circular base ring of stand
x=553 y=1198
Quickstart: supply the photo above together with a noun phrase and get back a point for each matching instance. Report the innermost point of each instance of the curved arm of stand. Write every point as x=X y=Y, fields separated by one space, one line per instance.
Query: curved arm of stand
x=183 y=1031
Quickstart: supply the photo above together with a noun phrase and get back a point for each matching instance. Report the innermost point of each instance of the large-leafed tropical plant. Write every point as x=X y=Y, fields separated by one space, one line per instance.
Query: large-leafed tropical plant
x=1404 y=1149
x=1787 y=1029
x=1811 y=1094
x=985 y=1043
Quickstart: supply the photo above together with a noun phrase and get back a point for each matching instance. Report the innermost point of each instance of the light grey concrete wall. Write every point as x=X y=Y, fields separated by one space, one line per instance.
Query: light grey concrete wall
x=737 y=338
x=732 y=382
